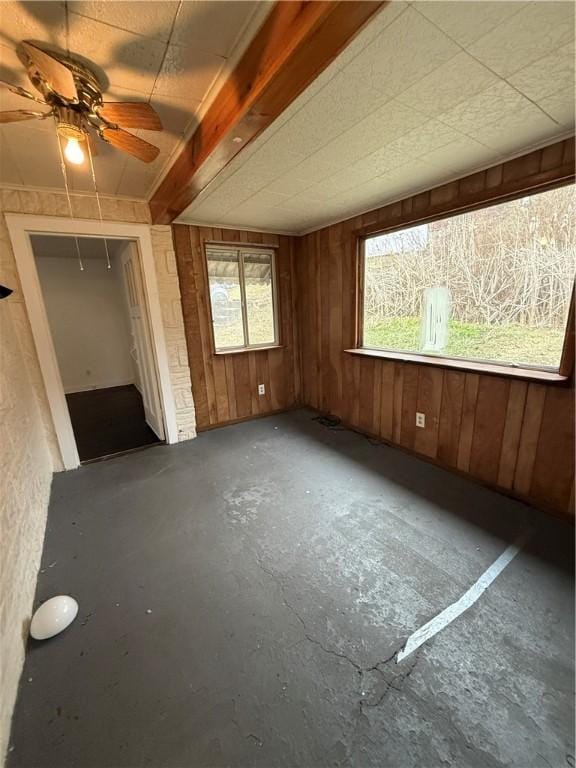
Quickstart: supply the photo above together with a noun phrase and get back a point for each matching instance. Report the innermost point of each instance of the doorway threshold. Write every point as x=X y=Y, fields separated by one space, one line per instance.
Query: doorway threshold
x=121 y=453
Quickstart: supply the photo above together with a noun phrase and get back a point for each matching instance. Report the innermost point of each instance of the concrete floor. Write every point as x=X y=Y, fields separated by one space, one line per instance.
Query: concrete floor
x=284 y=564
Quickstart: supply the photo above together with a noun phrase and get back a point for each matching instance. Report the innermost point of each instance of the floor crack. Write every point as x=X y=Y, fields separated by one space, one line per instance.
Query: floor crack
x=382 y=667
x=307 y=634
x=358 y=667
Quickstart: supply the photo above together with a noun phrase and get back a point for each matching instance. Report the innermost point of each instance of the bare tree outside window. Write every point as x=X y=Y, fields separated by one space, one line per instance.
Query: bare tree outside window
x=490 y=285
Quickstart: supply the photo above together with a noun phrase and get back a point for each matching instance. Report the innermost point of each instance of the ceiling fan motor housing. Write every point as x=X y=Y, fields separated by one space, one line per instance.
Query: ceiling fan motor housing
x=69 y=123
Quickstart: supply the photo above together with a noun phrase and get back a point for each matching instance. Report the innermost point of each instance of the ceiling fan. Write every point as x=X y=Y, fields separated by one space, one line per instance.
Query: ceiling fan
x=74 y=95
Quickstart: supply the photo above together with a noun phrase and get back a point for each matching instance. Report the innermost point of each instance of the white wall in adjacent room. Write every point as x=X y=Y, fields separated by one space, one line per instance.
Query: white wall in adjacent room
x=88 y=320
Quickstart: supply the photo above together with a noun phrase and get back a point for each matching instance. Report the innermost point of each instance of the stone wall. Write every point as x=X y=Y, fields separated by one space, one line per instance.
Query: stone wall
x=171 y=307
x=26 y=472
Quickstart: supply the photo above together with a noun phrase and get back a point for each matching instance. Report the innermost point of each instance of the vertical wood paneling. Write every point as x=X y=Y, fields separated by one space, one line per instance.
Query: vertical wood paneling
x=450 y=417
x=397 y=402
x=334 y=384
x=375 y=426
x=511 y=436
x=221 y=389
x=289 y=336
x=277 y=379
x=326 y=373
x=254 y=396
x=529 y=435
x=353 y=402
x=309 y=296
x=554 y=453
x=263 y=377
x=366 y=396
x=225 y=387
x=320 y=308
x=386 y=399
x=229 y=367
x=430 y=384
x=345 y=407
x=294 y=324
x=242 y=386
x=489 y=422
x=409 y=400
x=467 y=421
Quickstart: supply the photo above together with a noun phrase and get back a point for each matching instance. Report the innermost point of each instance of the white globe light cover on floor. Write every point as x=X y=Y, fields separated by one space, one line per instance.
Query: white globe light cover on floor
x=53 y=616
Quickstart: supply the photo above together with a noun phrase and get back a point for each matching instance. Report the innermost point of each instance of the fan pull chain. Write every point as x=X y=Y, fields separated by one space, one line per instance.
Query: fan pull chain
x=108 y=265
x=65 y=175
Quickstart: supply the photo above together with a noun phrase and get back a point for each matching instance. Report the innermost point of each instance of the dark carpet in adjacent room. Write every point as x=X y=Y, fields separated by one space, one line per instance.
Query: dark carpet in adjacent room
x=107 y=421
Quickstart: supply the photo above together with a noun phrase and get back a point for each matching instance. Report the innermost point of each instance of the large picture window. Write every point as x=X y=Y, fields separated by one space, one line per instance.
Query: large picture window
x=491 y=285
x=242 y=283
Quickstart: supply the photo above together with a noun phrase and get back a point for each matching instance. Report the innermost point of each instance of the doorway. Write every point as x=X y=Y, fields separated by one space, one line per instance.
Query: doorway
x=125 y=398
x=92 y=290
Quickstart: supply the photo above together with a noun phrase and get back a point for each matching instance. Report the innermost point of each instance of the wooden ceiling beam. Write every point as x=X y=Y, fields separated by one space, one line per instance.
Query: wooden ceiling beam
x=297 y=41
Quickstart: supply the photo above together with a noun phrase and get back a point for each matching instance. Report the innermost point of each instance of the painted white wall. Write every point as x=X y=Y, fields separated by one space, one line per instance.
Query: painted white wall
x=88 y=320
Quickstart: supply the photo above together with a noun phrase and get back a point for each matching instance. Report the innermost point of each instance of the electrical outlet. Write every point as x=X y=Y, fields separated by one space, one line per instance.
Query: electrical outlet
x=261 y=389
x=420 y=419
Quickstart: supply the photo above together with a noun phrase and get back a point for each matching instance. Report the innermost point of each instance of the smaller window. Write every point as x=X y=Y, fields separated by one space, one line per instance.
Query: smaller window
x=242 y=283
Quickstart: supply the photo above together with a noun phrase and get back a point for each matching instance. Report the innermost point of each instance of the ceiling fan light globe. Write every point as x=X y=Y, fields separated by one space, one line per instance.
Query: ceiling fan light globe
x=73 y=152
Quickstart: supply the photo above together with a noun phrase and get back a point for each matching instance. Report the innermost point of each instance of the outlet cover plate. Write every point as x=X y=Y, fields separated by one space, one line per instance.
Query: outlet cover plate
x=420 y=419
x=261 y=389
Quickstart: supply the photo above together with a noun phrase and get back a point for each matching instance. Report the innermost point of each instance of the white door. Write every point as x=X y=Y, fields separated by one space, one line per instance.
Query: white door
x=142 y=353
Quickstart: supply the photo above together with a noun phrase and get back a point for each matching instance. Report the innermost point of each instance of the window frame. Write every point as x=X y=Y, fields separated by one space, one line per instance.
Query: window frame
x=565 y=370
x=244 y=249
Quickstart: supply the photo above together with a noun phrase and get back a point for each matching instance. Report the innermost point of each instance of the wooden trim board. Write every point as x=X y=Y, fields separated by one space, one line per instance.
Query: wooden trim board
x=297 y=41
x=490 y=369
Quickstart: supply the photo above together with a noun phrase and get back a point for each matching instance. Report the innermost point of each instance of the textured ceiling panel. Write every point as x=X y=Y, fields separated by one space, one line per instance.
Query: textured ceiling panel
x=140 y=51
x=428 y=92
x=548 y=75
x=407 y=50
x=457 y=80
x=529 y=35
x=466 y=22
x=152 y=20
x=32 y=21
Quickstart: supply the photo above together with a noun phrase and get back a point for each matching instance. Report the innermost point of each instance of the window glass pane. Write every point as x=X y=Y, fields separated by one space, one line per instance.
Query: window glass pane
x=492 y=284
x=224 y=282
x=259 y=298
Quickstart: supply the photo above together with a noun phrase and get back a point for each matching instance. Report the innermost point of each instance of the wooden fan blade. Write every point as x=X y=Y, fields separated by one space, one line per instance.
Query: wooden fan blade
x=21 y=92
x=127 y=142
x=57 y=77
x=130 y=114
x=15 y=115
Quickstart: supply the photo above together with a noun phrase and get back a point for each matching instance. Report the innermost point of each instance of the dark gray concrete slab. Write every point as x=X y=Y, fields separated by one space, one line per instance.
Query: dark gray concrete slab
x=284 y=564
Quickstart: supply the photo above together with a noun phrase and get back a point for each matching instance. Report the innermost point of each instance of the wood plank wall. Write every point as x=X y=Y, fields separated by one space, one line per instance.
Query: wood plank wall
x=517 y=436
x=225 y=387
